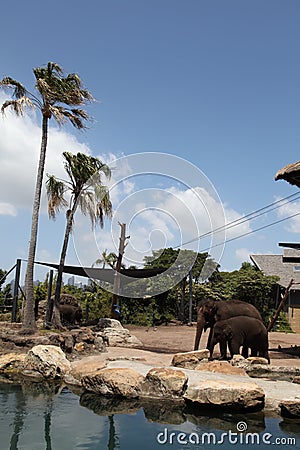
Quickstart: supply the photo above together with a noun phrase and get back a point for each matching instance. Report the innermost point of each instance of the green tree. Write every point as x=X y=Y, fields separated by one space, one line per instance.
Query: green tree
x=247 y=284
x=109 y=259
x=60 y=97
x=181 y=263
x=87 y=192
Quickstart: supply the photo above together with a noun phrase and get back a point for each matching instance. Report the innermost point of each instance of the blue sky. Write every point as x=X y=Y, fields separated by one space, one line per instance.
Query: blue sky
x=215 y=83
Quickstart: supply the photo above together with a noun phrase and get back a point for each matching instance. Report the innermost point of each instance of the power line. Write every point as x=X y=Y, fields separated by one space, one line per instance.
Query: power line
x=257 y=213
x=252 y=231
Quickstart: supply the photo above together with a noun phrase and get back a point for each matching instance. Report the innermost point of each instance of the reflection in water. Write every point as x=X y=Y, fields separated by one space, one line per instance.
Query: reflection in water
x=20 y=404
x=112 y=439
x=37 y=417
x=47 y=418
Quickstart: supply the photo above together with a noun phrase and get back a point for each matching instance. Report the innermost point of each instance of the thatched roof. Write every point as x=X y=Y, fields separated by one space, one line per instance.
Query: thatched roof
x=290 y=173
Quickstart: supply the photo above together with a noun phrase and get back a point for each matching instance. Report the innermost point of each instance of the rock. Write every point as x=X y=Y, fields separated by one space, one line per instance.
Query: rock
x=68 y=344
x=79 y=346
x=48 y=360
x=290 y=408
x=11 y=361
x=237 y=360
x=257 y=367
x=164 y=383
x=33 y=375
x=112 y=331
x=123 y=382
x=107 y=323
x=296 y=380
x=257 y=360
x=190 y=360
x=229 y=395
x=221 y=367
x=99 y=344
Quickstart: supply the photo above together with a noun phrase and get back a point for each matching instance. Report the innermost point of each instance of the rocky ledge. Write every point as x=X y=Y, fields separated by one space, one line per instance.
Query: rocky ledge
x=209 y=384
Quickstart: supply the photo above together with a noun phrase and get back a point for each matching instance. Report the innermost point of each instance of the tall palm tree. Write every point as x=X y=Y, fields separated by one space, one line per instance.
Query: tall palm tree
x=57 y=96
x=87 y=192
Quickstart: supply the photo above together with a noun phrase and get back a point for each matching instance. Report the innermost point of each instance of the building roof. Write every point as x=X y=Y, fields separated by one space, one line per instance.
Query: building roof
x=273 y=265
x=290 y=173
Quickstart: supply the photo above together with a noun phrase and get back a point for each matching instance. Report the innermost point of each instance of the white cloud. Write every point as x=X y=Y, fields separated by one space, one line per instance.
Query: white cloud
x=7 y=209
x=243 y=255
x=289 y=209
x=20 y=140
x=158 y=218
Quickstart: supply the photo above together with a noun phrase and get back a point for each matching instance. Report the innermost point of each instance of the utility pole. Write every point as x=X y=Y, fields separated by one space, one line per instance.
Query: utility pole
x=284 y=298
x=115 y=301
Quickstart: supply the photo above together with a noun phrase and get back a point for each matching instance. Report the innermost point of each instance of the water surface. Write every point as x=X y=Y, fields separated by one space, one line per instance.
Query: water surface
x=39 y=416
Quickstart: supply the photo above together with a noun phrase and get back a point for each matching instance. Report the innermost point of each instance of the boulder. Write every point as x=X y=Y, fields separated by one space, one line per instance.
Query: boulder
x=296 y=380
x=190 y=360
x=257 y=367
x=257 y=360
x=221 y=367
x=108 y=323
x=11 y=361
x=47 y=360
x=290 y=408
x=228 y=395
x=112 y=331
x=121 y=382
x=164 y=383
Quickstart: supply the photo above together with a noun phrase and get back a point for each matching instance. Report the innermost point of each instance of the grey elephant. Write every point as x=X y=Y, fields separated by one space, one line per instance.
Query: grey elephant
x=211 y=311
x=70 y=314
x=242 y=331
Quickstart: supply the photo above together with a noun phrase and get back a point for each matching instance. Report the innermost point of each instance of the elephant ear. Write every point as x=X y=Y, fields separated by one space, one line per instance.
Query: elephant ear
x=227 y=330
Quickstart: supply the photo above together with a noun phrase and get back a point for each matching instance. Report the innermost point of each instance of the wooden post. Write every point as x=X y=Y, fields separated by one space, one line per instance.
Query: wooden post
x=281 y=305
x=16 y=291
x=49 y=310
x=116 y=289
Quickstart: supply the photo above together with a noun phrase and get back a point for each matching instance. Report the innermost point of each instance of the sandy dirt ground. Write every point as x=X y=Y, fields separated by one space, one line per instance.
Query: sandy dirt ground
x=176 y=338
x=161 y=343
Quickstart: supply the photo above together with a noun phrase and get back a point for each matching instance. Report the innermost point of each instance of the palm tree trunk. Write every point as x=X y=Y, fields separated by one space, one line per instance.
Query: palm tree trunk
x=70 y=215
x=29 y=324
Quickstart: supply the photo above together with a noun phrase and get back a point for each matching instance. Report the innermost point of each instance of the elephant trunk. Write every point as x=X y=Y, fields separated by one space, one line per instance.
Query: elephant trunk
x=200 y=327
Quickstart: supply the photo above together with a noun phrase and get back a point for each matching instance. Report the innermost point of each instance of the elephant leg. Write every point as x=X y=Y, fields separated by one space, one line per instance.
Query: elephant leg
x=223 y=349
x=200 y=325
x=253 y=351
x=234 y=348
x=245 y=351
x=208 y=345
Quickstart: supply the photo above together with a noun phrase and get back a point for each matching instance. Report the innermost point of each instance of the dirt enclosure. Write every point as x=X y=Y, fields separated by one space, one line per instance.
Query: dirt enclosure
x=180 y=338
x=160 y=343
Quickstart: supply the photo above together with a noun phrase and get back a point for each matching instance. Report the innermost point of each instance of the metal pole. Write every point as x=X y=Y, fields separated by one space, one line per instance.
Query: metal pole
x=49 y=310
x=191 y=295
x=16 y=291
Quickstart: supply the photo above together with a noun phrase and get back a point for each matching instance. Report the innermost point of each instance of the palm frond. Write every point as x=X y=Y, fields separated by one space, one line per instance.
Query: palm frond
x=75 y=119
x=87 y=206
x=19 y=106
x=55 y=193
x=19 y=89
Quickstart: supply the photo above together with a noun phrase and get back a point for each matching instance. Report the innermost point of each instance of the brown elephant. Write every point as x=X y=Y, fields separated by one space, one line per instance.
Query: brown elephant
x=211 y=311
x=242 y=331
x=70 y=314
